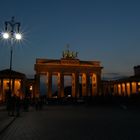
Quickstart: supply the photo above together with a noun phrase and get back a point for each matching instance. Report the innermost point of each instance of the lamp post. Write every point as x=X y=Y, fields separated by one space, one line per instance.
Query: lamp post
x=12 y=34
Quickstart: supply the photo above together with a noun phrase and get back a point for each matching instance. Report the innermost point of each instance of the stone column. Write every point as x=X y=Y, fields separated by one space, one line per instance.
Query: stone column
x=98 y=83
x=75 y=85
x=94 y=85
x=122 y=94
x=126 y=89
x=37 y=85
x=137 y=87
x=114 y=88
x=60 y=85
x=88 y=84
x=49 y=84
x=130 y=83
x=1 y=89
x=116 y=91
x=121 y=89
x=84 y=84
x=22 y=88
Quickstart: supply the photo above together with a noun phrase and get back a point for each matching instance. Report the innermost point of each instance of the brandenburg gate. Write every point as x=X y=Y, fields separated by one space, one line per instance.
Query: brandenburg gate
x=86 y=73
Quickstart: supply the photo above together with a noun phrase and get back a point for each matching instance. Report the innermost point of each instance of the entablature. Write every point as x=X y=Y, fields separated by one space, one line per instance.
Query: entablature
x=67 y=62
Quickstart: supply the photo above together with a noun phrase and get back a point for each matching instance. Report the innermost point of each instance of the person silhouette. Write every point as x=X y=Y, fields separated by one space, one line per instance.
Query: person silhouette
x=17 y=105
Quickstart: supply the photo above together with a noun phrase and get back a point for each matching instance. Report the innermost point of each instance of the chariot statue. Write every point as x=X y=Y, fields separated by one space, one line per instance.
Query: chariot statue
x=67 y=54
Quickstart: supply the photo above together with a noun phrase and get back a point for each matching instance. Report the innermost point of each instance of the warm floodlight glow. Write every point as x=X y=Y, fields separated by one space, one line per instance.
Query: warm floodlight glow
x=18 y=36
x=5 y=35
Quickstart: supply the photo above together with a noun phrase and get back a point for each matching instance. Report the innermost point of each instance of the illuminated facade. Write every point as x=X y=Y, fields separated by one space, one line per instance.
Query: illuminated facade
x=86 y=73
x=17 y=83
x=20 y=85
x=125 y=86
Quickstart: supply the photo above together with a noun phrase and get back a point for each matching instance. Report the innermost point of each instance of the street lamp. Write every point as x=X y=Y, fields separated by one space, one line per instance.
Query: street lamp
x=11 y=33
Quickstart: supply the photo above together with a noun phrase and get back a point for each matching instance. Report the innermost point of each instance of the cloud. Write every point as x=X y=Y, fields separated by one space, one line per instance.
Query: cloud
x=112 y=76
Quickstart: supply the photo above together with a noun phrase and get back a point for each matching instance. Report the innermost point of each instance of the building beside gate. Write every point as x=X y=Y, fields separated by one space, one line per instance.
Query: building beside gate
x=124 y=86
x=14 y=79
x=84 y=73
x=17 y=83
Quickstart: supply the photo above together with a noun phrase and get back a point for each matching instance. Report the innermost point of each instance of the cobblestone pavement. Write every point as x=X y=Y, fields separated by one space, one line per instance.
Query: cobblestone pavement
x=75 y=123
x=5 y=120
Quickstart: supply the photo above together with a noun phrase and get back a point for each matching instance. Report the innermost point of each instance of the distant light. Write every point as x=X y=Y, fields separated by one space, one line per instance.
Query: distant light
x=31 y=88
x=69 y=95
x=18 y=36
x=5 y=35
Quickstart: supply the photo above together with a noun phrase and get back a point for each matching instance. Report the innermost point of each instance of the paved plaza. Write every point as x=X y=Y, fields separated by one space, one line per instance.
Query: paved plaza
x=75 y=123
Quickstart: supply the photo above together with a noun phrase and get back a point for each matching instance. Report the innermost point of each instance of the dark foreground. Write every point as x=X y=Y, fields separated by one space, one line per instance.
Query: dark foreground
x=78 y=122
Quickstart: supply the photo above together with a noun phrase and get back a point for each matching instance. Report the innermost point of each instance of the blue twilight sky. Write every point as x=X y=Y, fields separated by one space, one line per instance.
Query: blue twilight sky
x=104 y=30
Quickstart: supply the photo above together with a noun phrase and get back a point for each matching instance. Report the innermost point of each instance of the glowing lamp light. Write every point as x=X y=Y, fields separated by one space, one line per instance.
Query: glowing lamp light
x=18 y=36
x=5 y=35
x=31 y=88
